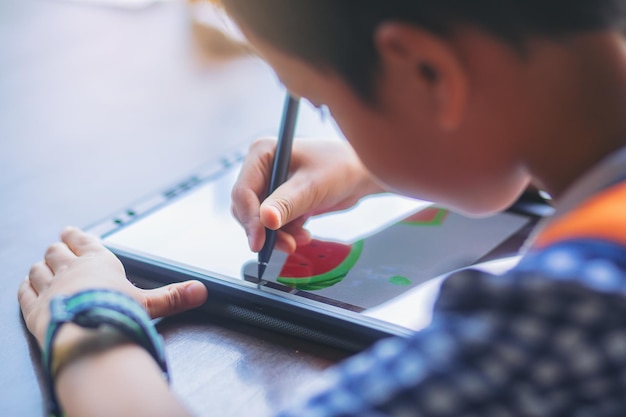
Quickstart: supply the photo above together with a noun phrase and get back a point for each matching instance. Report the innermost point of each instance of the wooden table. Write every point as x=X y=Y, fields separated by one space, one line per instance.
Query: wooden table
x=100 y=106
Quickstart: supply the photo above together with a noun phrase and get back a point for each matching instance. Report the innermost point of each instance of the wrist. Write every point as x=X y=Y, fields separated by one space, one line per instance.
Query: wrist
x=98 y=310
x=74 y=343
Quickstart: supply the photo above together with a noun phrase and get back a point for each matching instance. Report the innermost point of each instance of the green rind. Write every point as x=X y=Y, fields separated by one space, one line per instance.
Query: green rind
x=331 y=277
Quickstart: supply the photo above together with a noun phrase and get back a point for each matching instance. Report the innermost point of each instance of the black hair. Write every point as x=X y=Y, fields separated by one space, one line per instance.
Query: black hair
x=339 y=34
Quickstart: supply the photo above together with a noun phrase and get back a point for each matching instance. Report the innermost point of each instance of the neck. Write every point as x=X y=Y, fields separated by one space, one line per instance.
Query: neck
x=585 y=82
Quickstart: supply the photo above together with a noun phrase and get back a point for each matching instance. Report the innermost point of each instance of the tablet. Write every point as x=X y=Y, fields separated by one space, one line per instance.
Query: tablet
x=370 y=272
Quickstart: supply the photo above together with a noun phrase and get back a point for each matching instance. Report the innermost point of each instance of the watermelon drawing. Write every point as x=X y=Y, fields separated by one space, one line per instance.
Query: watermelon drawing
x=319 y=265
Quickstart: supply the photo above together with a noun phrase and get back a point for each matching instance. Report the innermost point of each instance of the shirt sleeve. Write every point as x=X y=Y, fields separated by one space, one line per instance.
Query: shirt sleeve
x=546 y=339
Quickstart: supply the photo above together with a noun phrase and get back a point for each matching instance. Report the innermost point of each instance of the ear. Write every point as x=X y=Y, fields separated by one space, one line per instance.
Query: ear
x=426 y=64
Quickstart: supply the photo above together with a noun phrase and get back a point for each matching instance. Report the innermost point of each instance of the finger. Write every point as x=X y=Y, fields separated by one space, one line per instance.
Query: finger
x=250 y=187
x=79 y=242
x=297 y=231
x=58 y=257
x=26 y=295
x=246 y=210
x=272 y=212
x=256 y=168
x=40 y=276
x=285 y=242
x=303 y=238
x=174 y=298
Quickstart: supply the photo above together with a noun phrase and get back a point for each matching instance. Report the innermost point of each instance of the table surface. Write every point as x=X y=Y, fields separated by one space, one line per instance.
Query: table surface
x=100 y=106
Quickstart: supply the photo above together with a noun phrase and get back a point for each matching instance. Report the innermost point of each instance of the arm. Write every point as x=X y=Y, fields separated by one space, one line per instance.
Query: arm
x=118 y=381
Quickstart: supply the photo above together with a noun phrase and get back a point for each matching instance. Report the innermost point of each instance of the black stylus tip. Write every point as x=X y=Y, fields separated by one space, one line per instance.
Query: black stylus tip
x=262 y=266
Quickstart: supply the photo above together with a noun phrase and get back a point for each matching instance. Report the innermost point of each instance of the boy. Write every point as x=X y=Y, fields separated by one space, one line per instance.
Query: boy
x=464 y=103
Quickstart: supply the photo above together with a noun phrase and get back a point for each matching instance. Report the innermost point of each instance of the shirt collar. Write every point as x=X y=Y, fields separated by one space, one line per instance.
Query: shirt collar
x=608 y=171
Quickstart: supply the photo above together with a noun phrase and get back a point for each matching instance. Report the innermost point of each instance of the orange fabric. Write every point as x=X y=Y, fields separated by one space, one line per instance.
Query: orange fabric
x=602 y=217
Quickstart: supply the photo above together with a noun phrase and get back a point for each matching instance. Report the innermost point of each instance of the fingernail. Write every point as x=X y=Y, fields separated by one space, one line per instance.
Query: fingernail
x=279 y=215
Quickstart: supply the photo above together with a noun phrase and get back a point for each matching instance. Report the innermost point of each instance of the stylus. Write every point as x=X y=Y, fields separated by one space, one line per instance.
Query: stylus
x=280 y=169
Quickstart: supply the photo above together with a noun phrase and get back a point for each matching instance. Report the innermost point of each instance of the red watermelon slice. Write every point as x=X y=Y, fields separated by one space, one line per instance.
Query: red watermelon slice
x=320 y=264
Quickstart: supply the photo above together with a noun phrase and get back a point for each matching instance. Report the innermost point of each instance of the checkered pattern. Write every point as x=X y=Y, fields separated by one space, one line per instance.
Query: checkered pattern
x=547 y=339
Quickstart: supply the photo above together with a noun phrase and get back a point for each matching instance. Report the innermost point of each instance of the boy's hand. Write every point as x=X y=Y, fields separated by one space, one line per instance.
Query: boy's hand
x=324 y=176
x=81 y=262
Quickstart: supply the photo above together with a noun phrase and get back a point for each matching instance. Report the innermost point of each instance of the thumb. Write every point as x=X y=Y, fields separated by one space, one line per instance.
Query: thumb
x=174 y=298
x=284 y=205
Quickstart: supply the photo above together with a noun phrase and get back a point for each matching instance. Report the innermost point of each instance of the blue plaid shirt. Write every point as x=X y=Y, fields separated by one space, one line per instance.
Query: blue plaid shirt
x=547 y=338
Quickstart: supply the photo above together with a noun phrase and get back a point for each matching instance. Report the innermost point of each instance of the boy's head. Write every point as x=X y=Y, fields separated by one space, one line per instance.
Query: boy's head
x=444 y=100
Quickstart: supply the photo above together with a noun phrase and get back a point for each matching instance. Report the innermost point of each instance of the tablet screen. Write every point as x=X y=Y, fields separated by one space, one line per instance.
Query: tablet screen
x=383 y=254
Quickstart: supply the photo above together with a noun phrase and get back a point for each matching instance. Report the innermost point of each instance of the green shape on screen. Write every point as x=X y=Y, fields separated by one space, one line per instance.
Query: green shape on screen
x=400 y=280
